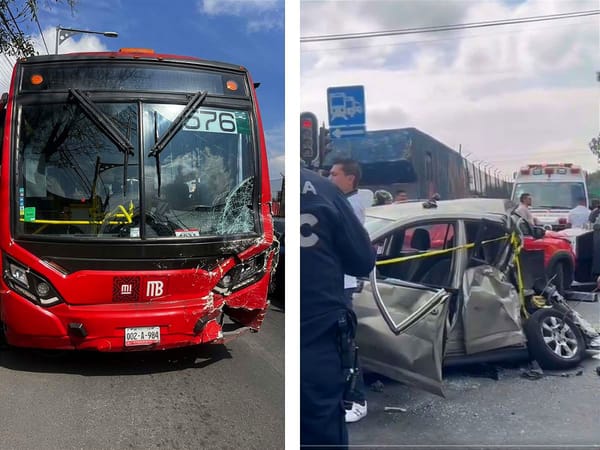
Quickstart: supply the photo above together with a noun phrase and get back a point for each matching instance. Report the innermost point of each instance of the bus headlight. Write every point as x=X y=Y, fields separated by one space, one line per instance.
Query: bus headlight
x=29 y=284
x=243 y=274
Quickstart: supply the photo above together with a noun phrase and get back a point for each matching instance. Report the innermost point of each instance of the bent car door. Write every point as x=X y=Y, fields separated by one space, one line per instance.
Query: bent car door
x=491 y=304
x=402 y=310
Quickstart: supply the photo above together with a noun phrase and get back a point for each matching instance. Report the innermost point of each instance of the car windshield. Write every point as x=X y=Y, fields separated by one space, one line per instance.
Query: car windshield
x=78 y=177
x=555 y=195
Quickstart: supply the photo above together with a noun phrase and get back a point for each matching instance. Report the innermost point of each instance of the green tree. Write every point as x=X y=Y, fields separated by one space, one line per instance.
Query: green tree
x=17 y=17
x=594 y=184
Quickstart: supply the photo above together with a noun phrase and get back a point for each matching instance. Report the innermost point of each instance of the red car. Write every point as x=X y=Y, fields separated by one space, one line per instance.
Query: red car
x=559 y=258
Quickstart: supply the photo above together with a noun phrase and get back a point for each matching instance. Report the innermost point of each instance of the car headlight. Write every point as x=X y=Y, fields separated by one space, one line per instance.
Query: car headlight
x=243 y=274
x=29 y=284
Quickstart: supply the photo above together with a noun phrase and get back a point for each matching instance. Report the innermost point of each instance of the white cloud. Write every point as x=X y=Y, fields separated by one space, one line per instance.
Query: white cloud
x=77 y=43
x=509 y=95
x=236 y=7
x=261 y=15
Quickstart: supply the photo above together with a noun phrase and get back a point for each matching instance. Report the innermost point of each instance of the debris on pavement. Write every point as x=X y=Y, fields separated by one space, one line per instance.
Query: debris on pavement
x=394 y=409
x=534 y=372
x=577 y=296
x=377 y=386
x=576 y=373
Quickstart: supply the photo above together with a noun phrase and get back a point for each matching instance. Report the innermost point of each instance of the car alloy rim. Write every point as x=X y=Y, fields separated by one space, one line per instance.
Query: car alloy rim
x=559 y=337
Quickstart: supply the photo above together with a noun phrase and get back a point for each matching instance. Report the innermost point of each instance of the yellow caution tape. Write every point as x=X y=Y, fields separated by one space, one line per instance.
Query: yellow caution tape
x=514 y=241
x=435 y=252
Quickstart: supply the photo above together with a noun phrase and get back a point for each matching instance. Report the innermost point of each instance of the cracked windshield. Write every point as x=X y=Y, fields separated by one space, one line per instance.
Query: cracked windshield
x=81 y=178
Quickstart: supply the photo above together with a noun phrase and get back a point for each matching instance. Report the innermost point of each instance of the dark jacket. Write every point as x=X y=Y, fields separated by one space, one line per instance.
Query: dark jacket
x=332 y=242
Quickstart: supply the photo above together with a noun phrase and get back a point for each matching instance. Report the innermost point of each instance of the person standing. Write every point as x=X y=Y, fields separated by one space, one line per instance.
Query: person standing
x=579 y=216
x=332 y=243
x=401 y=196
x=382 y=197
x=346 y=175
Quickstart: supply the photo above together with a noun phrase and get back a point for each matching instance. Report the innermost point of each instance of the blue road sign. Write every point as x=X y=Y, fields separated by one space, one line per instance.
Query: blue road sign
x=346 y=107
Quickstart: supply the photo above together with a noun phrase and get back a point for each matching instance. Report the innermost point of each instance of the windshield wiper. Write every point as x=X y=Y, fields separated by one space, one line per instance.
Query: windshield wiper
x=176 y=125
x=102 y=122
x=162 y=142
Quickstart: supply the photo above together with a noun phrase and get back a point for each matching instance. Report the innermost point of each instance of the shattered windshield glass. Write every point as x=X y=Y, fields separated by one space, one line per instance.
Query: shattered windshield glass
x=72 y=179
x=202 y=182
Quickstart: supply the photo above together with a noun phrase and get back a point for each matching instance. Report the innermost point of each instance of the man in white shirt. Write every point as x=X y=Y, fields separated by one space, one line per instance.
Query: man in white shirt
x=346 y=174
x=579 y=216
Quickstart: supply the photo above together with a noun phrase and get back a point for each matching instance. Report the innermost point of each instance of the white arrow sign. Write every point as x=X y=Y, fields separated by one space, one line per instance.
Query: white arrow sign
x=339 y=132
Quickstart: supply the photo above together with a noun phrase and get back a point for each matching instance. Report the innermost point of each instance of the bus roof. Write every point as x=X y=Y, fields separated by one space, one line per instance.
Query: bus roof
x=132 y=54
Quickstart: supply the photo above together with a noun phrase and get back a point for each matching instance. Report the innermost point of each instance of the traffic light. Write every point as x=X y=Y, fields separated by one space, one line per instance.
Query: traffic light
x=324 y=143
x=309 y=149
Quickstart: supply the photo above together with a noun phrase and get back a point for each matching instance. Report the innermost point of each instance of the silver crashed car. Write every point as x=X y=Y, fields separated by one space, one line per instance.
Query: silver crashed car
x=452 y=285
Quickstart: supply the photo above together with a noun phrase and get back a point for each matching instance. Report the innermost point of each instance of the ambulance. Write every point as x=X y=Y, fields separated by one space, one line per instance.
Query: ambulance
x=555 y=189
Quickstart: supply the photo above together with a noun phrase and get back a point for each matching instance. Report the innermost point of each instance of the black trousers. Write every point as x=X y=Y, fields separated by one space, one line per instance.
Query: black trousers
x=321 y=385
x=356 y=393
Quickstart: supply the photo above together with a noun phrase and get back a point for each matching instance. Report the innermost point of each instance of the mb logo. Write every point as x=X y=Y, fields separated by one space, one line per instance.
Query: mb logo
x=154 y=288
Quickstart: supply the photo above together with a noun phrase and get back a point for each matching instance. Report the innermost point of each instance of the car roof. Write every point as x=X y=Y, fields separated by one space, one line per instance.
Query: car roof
x=467 y=208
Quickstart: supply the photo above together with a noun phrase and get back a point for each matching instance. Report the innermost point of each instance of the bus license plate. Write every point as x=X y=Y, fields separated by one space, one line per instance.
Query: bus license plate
x=142 y=336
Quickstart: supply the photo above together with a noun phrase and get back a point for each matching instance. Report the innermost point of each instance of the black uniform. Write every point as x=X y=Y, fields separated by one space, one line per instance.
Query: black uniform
x=332 y=242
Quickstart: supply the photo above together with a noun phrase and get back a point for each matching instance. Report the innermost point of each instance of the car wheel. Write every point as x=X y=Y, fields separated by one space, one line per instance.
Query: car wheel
x=554 y=340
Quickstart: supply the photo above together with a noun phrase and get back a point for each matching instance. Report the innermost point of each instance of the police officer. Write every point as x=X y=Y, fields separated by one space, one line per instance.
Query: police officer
x=332 y=242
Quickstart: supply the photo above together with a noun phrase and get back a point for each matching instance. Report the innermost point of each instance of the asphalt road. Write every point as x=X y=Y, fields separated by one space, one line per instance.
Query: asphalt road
x=488 y=407
x=216 y=397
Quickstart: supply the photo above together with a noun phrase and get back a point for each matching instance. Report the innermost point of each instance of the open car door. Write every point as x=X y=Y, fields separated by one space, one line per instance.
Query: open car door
x=401 y=331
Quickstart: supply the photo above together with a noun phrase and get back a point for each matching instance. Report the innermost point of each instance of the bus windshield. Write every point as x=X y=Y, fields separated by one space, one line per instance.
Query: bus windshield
x=89 y=167
x=551 y=195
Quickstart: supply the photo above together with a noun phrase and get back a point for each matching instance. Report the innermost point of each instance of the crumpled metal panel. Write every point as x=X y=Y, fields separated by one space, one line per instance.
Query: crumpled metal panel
x=491 y=311
x=414 y=357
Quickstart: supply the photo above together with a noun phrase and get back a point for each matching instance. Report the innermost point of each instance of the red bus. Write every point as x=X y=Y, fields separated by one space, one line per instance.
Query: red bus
x=135 y=203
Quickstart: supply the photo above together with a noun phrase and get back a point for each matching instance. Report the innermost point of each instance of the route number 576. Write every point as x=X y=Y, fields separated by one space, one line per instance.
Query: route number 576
x=212 y=121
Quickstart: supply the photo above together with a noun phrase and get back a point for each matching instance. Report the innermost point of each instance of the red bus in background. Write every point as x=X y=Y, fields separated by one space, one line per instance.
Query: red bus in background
x=135 y=203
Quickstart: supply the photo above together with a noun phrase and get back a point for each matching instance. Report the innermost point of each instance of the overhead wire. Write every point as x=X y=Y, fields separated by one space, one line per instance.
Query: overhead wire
x=440 y=28
x=41 y=32
x=11 y=32
x=21 y=34
x=421 y=41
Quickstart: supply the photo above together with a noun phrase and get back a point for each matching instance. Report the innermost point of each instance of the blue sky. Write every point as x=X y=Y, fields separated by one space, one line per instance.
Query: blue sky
x=245 y=32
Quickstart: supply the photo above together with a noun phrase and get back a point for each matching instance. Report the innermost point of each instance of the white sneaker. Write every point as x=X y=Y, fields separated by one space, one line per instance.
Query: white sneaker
x=356 y=413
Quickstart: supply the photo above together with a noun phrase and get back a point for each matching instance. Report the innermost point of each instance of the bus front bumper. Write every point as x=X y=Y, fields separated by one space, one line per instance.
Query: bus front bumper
x=132 y=326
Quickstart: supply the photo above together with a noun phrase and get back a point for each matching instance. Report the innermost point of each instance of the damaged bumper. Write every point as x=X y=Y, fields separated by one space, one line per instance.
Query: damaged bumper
x=135 y=326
